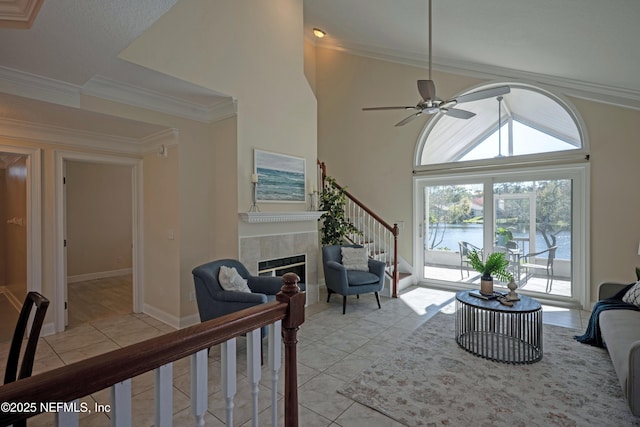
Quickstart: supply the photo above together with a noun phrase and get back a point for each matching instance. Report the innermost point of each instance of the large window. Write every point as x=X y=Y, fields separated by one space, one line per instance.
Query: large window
x=480 y=190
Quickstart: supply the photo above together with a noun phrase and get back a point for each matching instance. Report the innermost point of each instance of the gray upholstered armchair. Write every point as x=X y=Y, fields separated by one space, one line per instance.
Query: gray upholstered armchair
x=213 y=301
x=346 y=282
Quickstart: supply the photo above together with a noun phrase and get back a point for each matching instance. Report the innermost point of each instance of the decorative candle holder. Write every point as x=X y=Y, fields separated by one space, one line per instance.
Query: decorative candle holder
x=254 y=195
x=312 y=200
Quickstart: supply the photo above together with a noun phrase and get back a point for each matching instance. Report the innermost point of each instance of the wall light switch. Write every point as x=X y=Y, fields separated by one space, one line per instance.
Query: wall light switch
x=171 y=234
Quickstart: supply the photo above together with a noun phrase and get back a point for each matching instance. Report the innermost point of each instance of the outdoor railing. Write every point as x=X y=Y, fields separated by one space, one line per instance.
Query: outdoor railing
x=58 y=390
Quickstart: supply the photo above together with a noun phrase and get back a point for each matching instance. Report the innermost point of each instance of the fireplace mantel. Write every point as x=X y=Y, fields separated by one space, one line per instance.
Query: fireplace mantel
x=264 y=217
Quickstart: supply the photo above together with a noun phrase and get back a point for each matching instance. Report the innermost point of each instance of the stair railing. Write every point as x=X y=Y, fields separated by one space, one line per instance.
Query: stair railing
x=59 y=390
x=378 y=235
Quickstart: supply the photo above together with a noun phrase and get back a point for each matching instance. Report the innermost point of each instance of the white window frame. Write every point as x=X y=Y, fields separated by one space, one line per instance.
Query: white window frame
x=580 y=244
x=557 y=157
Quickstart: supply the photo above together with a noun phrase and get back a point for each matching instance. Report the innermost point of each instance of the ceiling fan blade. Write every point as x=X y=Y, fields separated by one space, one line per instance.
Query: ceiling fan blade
x=388 y=108
x=427 y=89
x=483 y=94
x=408 y=119
x=458 y=114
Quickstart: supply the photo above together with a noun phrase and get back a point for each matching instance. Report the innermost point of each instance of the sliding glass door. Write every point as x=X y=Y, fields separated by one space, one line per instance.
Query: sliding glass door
x=531 y=216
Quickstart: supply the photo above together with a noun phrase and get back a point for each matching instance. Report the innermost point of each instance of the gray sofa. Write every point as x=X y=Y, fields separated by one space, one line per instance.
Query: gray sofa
x=621 y=334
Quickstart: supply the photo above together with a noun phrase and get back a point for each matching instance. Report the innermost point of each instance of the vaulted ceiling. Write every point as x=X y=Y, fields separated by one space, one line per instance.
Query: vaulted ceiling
x=589 y=47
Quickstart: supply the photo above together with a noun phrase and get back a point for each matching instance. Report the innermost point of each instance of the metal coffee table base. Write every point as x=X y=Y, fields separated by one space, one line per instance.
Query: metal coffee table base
x=509 y=334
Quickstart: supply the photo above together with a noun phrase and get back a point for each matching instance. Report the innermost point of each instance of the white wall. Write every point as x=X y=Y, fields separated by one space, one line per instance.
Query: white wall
x=99 y=212
x=251 y=50
x=366 y=152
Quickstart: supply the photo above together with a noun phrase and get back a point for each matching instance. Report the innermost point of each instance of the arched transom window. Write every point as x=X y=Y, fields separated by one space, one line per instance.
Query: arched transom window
x=532 y=122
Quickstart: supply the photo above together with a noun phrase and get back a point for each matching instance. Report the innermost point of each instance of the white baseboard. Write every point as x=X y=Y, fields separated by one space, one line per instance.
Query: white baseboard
x=99 y=275
x=15 y=302
x=161 y=315
x=170 y=319
x=190 y=320
x=48 y=329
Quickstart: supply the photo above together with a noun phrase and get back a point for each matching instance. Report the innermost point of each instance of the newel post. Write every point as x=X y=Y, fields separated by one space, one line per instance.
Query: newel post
x=290 y=293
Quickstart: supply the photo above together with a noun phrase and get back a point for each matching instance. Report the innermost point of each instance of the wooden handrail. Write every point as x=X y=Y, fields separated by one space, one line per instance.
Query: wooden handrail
x=82 y=378
x=393 y=229
x=385 y=224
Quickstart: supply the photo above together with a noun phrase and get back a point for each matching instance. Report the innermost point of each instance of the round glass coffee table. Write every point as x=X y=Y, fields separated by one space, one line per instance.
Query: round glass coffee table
x=497 y=332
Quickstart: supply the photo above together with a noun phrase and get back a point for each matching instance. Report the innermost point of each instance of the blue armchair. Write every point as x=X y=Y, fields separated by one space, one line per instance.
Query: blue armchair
x=213 y=301
x=346 y=282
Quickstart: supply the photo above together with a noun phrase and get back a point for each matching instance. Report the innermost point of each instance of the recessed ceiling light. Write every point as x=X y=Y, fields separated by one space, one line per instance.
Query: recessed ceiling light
x=319 y=33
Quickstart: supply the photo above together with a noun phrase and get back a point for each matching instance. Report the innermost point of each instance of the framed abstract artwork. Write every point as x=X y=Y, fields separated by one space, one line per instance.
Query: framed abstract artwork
x=281 y=178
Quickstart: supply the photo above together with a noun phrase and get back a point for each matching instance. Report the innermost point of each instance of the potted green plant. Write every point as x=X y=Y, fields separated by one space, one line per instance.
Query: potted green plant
x=503 y=235
x=495 y=265
x=335 y=226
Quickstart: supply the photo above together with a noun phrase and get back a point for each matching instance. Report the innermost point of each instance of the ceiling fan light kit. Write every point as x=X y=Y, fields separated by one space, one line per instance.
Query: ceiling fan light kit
x=431 y=104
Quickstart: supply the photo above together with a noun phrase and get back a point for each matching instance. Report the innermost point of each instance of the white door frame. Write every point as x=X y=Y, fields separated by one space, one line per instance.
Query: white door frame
x=34 y=213
x=59 y=220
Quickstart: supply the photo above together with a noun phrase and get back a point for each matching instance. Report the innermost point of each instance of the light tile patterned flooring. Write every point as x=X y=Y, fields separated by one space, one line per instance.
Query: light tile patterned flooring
x=332 y=349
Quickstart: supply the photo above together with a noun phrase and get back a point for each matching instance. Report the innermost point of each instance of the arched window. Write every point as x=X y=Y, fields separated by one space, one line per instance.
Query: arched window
x=533 y=124
x=516 y=185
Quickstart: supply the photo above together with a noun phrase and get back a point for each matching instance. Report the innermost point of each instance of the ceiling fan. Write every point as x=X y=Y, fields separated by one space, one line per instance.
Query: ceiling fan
x=431 y=104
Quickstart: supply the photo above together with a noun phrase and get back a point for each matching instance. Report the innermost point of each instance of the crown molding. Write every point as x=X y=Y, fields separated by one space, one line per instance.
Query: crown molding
x=622 y=97
x=47 y=134
x=159 y=141
x=20 y=83
x=106 y=88
x=18 y=14
x=31 y=86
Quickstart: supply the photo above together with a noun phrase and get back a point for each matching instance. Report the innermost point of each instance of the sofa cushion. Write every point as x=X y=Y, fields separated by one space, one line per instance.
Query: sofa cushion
x=361 y=278
x=230 y=280
x=632 y=296
x=355 y=259
x=620 y=333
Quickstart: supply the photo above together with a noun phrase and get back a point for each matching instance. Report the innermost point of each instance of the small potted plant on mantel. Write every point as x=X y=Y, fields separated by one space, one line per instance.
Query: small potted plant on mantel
x=495 y=265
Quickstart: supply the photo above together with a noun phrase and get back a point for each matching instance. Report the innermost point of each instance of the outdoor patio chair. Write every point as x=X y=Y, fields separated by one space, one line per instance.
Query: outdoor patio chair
x=526 y=263
x=465 y=249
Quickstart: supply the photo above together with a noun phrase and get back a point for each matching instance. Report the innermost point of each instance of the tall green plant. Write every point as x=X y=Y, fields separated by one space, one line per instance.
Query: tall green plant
x=335 y=226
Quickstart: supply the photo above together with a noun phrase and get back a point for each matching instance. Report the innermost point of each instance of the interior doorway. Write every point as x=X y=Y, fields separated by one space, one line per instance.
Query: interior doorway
x=99 y=212
x=20 y=246
x=94 y=241
x=13 y=240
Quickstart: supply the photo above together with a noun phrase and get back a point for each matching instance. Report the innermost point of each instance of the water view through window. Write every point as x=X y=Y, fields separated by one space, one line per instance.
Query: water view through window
x=528 y=220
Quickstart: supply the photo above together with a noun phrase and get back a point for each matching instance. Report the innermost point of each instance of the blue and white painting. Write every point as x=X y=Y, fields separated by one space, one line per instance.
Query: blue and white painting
x=280 y=177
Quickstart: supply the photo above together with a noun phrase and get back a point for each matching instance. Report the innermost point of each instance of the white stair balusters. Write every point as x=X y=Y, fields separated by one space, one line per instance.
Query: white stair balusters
x=199 y=385
x=69 y=418
x=229 y=378
x=121 y=404
x=164 y=396
x=275 y=363
x=254 y=369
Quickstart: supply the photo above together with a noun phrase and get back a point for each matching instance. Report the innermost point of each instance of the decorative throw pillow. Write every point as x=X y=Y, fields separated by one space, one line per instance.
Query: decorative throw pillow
x=632 y=296
x=355 y=259
x=230 y=280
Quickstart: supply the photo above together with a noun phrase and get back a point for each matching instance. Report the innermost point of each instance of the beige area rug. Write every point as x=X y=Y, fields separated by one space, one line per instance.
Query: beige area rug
x=431 y=381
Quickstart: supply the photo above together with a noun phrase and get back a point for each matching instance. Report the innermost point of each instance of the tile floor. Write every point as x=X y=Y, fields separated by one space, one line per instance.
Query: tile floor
x=332 y=349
